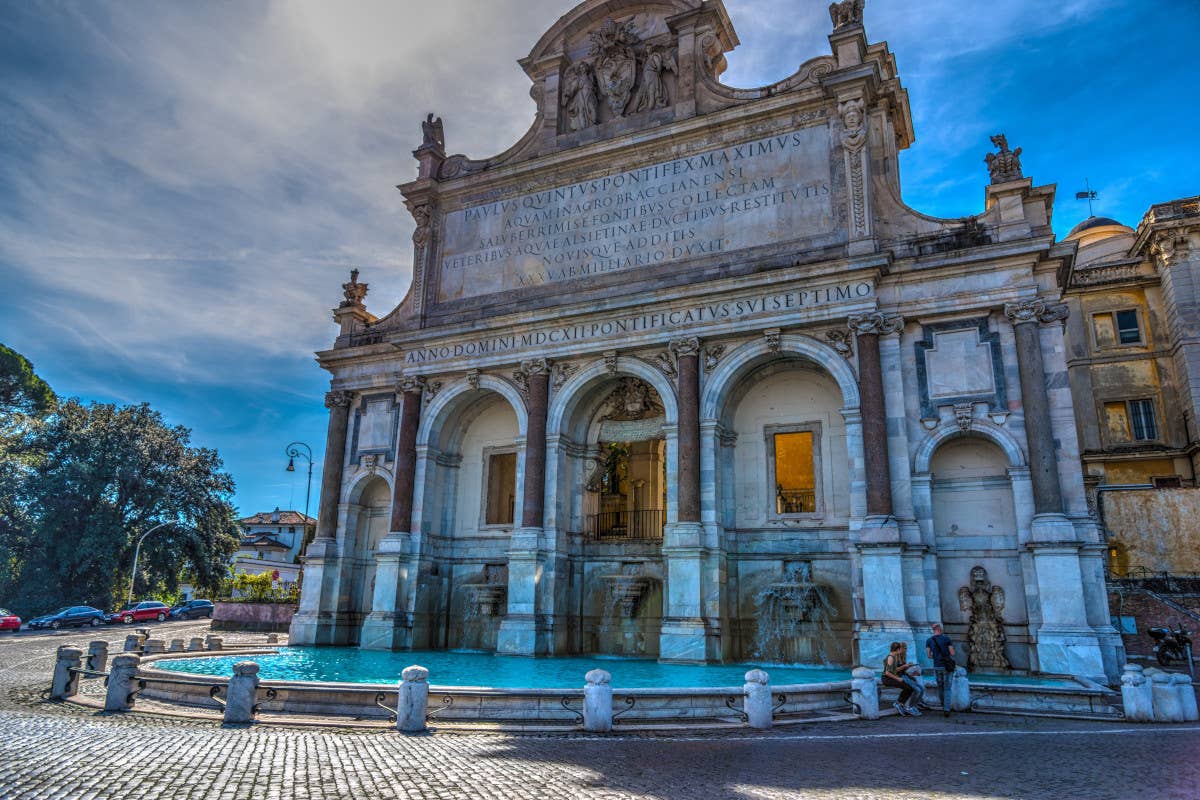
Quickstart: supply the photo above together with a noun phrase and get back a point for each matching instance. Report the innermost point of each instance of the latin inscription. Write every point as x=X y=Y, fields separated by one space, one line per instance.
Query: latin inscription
x=734 y=308
x=738 y=197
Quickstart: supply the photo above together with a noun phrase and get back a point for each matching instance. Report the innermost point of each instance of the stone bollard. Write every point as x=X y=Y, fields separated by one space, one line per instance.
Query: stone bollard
x=97 y=660
x=143 y=632
x=757 y=700
x=1137 y=696
x=597 y=702
x=133 y=643
x=196 y=643
x=153 y=647
x=66 y=681
x=1167 y=707
x=960 y=690
x=176 y=646
x=241 y=693
x=121 y=680
x=1187 y=697
x=864 y=692
x=272 y=638
x=413 y=698
x=216 y=643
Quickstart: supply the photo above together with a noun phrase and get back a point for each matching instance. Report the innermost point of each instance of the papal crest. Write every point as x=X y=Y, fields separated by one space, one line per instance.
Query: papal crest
x=616 y=64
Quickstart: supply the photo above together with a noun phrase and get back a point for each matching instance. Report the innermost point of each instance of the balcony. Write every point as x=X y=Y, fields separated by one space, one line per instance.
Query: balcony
x=617 y=526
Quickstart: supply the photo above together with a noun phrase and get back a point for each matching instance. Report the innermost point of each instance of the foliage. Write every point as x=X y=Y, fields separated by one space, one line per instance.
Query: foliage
x=21 y=390
x=258 y=588
x=81 y=484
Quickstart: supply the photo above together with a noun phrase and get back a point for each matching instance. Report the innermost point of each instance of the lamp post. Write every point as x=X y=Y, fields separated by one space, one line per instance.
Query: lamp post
x=293 y=452
x=137 y=551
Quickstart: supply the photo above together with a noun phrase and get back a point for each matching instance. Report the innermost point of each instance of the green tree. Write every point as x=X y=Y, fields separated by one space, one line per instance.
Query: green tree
x=21 y=390
x=105 y=475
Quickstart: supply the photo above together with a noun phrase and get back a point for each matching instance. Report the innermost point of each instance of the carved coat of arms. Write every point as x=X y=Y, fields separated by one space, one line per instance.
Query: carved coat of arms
x=616 y=63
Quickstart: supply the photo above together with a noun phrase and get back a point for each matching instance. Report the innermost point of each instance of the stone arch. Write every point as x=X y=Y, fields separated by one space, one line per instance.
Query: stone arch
x=980 y=428
x=566 y=399
x=742 y=361
x=456 y=396
x=360 y=480
x=365 y=524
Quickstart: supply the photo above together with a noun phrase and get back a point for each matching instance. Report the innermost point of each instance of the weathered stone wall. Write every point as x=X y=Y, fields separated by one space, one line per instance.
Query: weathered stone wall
x=264 y=617
x=1156 y=529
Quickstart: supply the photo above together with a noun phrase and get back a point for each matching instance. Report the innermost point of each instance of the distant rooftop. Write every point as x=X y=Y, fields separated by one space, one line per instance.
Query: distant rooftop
x=278 y=517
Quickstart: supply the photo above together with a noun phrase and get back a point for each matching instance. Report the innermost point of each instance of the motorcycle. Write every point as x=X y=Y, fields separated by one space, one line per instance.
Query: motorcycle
x=1171 y=645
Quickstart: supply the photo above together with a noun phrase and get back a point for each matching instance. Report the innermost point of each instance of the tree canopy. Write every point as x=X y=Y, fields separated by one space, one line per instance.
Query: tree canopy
x=92 y=478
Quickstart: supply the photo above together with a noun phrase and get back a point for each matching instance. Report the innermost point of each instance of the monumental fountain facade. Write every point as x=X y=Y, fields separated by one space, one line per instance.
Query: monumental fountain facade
x=679 y=375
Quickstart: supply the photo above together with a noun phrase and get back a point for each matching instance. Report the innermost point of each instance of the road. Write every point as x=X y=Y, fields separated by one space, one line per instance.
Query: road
x=54 y=750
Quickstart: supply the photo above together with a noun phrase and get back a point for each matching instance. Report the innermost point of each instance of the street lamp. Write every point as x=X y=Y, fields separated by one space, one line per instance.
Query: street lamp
x=137 y=551
x=293 y=452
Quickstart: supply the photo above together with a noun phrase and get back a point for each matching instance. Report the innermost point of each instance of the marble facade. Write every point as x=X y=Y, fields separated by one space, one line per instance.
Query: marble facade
x=680 y=268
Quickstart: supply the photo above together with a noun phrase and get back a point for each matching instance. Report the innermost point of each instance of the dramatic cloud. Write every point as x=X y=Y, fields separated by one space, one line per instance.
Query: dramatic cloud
x=185 y=185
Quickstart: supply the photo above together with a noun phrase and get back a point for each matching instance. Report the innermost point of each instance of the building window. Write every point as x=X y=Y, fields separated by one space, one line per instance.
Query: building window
x=1117 y=328
x=1130 y=421
x=793 y=464
x=501 y=482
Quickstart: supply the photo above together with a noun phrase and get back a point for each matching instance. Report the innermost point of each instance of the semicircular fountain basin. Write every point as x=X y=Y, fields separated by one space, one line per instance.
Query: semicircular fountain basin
x=450 y=668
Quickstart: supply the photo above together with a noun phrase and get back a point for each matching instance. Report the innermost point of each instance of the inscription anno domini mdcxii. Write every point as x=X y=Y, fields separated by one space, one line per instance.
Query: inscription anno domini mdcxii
x=727 y=199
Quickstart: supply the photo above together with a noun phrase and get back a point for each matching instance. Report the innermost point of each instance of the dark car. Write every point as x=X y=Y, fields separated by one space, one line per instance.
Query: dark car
x=71 y=616
x=9 y=621
x=193 y=609
x=141 y=612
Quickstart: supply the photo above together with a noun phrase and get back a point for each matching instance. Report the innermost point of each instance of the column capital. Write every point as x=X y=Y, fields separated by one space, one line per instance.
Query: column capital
x=410 y=384
x=530 y=368
x=875 y=323
x=686 y=346
x=1035 y=311
x=338 y=399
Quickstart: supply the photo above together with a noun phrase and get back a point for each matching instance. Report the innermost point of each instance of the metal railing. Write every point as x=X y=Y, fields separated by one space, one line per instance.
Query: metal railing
x=626 y=525
x=795 y=501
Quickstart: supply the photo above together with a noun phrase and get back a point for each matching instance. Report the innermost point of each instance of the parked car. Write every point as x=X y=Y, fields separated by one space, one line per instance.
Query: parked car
x=9 y=621
x=71 y=616
x=193 y=609
x=141 y=612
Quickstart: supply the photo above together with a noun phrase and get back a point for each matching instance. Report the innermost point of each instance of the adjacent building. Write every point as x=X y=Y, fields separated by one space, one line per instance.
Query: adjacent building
x=680 y=375
x=272 y=541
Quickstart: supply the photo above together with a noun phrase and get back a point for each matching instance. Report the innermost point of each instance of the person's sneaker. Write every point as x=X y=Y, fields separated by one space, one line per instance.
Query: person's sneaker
x=913 y=711
x=900 y=709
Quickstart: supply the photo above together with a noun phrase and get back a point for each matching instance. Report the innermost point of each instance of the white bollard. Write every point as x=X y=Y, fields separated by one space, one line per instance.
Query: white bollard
x=176 y=646
x=960 y=690
x=413 y=700
x=864 y=692
x=597 y=702
x=241 y=693
x=757 y=700
x=97 y=660
x=216 y=643
x=121 y=682
x=153 y=647
x=196 y=643
x=1167 y=707
x=1187 y=697
x=66 y=681
x=272 y=638
x=1136 y=695
x=133 y=643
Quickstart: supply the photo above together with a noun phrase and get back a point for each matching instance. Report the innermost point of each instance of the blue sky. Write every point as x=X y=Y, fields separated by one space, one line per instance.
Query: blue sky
x=184 y=186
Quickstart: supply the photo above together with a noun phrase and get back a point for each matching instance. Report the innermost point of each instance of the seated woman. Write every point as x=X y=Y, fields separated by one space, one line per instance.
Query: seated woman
x=896 y=674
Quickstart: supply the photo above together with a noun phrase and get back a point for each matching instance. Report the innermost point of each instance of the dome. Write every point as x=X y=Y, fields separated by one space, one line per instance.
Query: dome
x=1093 y=222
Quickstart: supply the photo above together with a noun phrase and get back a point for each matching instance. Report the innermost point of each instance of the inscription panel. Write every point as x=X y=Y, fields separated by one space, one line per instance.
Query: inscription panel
x=756 y=193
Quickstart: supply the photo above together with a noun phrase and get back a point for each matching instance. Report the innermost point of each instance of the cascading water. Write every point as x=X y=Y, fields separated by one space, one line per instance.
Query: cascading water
x=794 y=618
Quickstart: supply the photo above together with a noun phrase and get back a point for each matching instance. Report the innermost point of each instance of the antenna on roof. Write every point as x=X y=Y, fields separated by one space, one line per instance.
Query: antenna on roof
x=1089 y=195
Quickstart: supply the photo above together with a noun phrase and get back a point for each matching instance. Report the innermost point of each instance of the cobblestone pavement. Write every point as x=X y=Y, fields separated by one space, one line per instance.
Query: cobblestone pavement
x=51 y=750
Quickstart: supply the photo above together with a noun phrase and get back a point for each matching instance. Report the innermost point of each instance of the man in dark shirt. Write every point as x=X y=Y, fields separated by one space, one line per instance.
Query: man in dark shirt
x=940 y=650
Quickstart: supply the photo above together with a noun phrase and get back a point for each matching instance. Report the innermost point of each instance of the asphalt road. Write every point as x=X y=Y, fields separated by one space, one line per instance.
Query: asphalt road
x=54 y=750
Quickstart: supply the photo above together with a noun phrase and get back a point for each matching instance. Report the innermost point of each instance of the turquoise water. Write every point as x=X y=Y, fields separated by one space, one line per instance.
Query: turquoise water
x=448 y=668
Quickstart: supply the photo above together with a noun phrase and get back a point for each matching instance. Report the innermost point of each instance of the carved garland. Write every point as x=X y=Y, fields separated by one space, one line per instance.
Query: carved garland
x=1035 y=311
x=875 y=323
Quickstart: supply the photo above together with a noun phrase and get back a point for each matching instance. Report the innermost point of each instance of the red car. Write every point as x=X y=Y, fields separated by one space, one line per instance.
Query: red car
x=141 y=612
x=9 y=621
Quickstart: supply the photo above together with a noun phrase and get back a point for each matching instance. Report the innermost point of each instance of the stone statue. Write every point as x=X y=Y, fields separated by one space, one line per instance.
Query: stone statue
x=579 y=96
x=985 y=634
x=1006 y=164
x=431 y=132
x=846 y=13
x=652 y=93
x=616 y=64
x=354 y=292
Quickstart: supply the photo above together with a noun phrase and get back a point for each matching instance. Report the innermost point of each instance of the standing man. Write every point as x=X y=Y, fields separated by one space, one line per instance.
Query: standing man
x=940 y=650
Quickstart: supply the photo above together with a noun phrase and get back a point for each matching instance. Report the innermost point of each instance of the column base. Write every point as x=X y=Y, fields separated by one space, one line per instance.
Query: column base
x=386 y=630
x=316 y=629
x=1071 y=651
x=1051 y=528
x=688 y=641
x=874 y=640
x=524 y=635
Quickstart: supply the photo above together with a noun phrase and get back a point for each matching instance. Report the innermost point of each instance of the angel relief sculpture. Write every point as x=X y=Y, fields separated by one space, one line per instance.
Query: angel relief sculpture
x=652 y=93
x=984 y=605
x=579 y=96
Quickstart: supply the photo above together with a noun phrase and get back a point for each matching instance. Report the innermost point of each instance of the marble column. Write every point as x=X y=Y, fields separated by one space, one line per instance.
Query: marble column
x=525 y=630
x=1065 y=642
x=881 y=551
x=315 y=621
x=686 y=636
x=389 y=625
